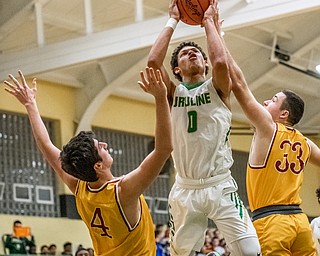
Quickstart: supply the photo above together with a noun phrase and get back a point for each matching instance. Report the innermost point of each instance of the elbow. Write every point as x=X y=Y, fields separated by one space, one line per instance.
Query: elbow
x=168 y=150
x=221 y=62
x=163 y=153
x=221 y=67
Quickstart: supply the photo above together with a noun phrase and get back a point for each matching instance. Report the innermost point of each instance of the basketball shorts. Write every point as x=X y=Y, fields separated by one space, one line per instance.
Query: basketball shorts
x=284 y=235
x=191 y=207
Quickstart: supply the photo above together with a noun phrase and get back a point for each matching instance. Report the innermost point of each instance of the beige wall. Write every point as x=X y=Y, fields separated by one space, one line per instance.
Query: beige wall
x=57 y=102
x=126 y=115
x=54 y=101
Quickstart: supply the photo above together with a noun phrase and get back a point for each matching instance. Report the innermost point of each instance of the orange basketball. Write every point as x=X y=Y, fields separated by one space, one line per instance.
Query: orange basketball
x=191 y=11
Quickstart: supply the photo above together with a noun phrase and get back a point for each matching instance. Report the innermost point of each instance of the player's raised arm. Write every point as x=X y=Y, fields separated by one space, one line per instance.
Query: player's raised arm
x=217 y=54
x=136 y=182
x=258 y=116
x=159 y=49
x=27 y=97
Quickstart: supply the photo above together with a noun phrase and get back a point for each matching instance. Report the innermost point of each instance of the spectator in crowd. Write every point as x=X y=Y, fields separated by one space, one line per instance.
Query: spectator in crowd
x=91 y=251
x=223 y=244
x=44 y=250
x=207 y=247
x=216 y=246
x=52 y=249
x=217 y=233
x=32 y=250
x=82 y=252
x=67 y=248
x=20 y=240
x=162 y=240
x=214 y=243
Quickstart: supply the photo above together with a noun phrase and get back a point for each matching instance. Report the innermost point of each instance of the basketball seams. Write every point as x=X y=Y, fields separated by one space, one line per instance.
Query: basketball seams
x=184 y=14
x=197 y=7
x=203 y=7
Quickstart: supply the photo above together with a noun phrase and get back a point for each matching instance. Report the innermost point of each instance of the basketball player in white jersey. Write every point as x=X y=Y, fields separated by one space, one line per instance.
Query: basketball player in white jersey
x=201 y=119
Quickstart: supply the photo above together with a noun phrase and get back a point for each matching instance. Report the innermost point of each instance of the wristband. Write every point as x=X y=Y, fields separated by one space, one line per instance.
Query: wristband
x=172 y=23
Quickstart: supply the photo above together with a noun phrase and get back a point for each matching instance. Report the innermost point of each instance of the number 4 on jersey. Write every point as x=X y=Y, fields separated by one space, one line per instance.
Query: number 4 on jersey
x=98 y=222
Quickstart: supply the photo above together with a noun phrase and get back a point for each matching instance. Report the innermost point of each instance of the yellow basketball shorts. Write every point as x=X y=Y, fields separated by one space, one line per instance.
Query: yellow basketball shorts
x=285 y=235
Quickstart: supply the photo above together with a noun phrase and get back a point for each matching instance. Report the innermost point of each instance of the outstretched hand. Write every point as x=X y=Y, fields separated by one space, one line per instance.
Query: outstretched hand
x=152 y=82
x=21 y=90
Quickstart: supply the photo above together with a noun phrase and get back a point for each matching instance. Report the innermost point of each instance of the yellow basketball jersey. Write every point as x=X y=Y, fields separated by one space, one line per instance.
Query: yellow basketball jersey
x=279 y=180
x=110 y=232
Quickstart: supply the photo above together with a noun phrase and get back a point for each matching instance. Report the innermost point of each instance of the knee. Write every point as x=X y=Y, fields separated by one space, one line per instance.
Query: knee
x=254 y=251
x=246 y=247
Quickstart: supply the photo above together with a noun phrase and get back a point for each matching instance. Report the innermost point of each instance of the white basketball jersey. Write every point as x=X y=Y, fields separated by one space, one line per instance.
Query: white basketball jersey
x=201 y=125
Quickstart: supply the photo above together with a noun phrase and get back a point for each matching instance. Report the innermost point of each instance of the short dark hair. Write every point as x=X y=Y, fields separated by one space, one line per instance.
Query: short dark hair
x=43 y=246
x=174 y=57
x=67 y=244
x=295 y=105
x=81 y=249
x=17 y=222
x=79 y=155
x=52 y=246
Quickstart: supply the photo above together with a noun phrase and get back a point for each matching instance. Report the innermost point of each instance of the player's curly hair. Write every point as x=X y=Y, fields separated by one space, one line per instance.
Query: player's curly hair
x=79 y=155
x=295 y=105
x=174 y=57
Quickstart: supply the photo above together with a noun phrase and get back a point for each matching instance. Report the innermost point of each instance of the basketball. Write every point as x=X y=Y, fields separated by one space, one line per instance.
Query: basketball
x=191 y=11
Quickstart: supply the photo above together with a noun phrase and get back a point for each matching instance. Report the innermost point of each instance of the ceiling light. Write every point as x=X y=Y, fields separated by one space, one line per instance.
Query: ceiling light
x=318 y=68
